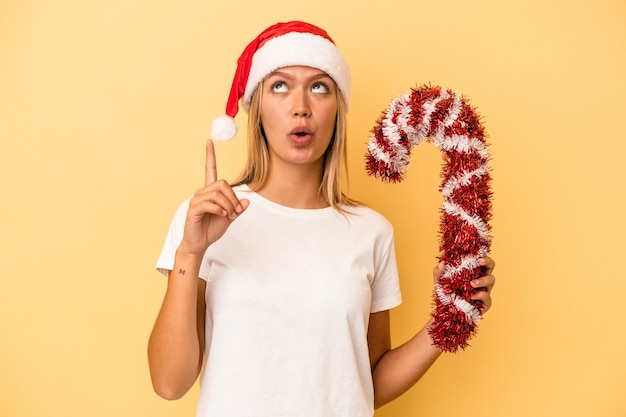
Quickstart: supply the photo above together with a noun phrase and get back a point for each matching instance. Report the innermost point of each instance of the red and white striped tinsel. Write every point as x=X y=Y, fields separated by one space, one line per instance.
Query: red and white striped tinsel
x=444 y=116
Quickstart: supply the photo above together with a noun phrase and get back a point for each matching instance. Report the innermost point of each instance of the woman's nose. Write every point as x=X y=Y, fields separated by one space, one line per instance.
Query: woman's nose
x=301 y=105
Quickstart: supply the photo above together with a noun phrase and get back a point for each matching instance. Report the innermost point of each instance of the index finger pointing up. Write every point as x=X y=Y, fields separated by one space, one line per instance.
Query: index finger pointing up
x=210 y=169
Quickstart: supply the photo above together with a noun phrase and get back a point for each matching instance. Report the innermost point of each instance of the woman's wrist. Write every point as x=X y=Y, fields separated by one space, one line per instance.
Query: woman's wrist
x=190 y=254
x=187 y=263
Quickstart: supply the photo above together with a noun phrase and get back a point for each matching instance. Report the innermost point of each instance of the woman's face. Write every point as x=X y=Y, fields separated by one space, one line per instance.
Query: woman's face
x=298 y=114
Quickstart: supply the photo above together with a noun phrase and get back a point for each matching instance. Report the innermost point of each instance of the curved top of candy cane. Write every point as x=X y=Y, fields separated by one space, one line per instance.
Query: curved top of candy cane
x=423 y=113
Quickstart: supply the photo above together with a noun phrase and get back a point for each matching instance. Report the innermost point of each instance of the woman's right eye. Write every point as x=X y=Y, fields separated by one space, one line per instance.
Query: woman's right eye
x=279 y=86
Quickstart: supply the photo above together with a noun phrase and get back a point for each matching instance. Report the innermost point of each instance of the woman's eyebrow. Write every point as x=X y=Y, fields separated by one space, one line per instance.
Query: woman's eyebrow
x=320 y=76
x=279 y=73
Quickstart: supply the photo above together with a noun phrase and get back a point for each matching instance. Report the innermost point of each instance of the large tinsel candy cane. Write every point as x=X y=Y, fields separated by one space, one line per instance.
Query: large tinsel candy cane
x=444 y=116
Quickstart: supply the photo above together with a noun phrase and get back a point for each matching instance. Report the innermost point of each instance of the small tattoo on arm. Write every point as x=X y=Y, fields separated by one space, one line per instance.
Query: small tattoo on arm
x=181 y=271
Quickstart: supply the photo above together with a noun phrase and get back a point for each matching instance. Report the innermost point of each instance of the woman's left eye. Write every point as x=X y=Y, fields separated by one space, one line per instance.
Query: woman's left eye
x=319 y=88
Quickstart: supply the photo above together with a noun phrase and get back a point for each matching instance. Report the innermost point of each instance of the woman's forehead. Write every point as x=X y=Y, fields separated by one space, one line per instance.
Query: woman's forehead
x=293 y=70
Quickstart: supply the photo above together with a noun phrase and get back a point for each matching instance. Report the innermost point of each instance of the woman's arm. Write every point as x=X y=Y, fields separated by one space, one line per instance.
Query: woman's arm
x=396 y=370
x=176 y=345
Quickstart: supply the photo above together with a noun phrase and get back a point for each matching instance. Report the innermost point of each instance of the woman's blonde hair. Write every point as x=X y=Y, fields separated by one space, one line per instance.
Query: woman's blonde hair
x=335 y=171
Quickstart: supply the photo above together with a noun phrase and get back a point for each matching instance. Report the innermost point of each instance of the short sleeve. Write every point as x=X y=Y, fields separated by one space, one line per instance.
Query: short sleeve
x=174 y=236
x=386 y=285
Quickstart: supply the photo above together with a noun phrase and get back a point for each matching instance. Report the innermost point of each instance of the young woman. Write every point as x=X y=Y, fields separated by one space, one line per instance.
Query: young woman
x=280 y=286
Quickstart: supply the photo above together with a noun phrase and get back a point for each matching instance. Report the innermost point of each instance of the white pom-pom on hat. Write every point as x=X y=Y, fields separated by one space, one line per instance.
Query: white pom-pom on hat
x=281 y=45
x=223 y=128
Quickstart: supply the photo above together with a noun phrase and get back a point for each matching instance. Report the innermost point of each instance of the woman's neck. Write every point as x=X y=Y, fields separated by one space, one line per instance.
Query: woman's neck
x=296 y=188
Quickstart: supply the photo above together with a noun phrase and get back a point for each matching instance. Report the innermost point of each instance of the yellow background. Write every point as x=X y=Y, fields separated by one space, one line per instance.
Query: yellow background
x=104 y=109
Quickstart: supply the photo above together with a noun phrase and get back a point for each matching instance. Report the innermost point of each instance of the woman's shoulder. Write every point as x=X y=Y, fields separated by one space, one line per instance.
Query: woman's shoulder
x=367 y=215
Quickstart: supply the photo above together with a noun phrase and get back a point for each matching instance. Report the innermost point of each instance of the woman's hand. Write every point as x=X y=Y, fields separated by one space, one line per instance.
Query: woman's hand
x=211 y=210
x=483 y=285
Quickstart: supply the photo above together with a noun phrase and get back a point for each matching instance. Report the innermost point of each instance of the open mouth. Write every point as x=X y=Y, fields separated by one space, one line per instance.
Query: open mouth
x=301 y=131
x=301 y=135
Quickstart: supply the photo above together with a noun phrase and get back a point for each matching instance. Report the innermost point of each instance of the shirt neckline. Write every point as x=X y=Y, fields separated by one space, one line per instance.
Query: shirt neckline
x=255 y=197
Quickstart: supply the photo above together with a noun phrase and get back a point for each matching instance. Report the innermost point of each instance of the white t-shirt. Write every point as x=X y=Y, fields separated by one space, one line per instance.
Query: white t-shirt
x=289 y=294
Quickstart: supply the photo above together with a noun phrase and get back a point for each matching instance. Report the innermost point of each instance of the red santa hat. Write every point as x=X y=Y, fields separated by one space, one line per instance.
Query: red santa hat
x=280 y=45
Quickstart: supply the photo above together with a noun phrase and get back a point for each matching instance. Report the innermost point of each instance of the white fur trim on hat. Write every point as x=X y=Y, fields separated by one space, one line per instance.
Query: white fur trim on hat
x=297 y=48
